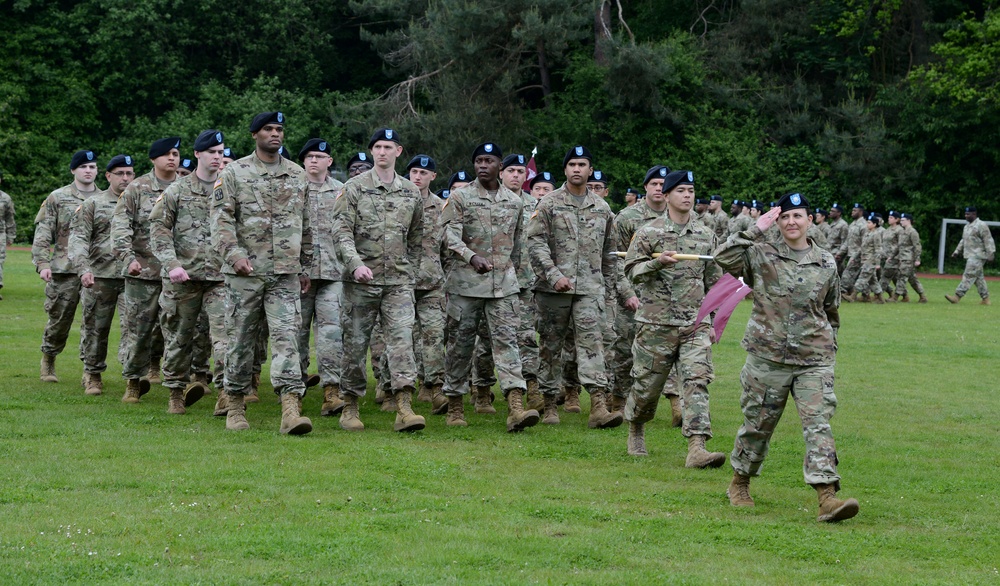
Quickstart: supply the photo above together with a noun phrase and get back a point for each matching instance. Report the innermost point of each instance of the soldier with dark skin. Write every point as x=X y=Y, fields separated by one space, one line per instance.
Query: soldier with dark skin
x=978 y=248
x=837 y=236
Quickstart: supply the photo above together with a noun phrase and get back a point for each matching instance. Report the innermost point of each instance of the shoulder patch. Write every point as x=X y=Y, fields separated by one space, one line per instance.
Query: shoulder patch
x=159 y=199
x=218 y=183
x=78 y=208
x=533 y=214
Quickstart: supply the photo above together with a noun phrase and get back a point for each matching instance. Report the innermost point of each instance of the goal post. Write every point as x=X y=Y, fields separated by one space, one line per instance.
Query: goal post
x=944 y=238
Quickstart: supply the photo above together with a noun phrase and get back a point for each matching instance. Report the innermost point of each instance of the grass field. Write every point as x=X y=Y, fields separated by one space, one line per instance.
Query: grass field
x=96 y=491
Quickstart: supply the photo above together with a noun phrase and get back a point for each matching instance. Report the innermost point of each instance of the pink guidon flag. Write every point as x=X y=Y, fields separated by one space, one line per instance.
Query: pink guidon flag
x=723 y=299
x=532 y=171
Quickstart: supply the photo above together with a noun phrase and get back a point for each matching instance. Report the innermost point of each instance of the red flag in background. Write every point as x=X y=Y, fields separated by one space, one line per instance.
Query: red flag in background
x=722 y=299
x=532 y=170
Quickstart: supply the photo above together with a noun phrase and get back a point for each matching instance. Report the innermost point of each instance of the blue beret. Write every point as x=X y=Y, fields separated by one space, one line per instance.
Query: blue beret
x=207 y=140
x=577 y=152
x=422 y=162
x=81 y=157
x=263 y=118
x=384 y=134
x=119 y=161
x=488 y=148
x=164 y=146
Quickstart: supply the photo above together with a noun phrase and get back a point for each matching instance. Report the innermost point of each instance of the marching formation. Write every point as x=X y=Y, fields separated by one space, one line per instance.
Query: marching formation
x=530 y=282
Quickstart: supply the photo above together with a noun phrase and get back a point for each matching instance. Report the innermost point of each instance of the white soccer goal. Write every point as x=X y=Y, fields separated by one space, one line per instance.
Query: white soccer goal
x=944 y=234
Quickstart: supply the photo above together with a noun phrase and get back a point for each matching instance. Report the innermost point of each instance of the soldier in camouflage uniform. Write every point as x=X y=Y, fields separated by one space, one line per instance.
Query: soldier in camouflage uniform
x=8 y=229
x=667 y=337
x=978 y=248
x=855 y=237
x=378 y=231
x=321 y=303
x=572 y=250
x=741 y=217
x=180 y=237
x=819 y=221
x=867 y=281
x=837 y=236
x=791 y=344
x=909 y=259
x=717 y=218
x=50 y=254
x=91 y=253
x=890 y=252
x=260 y=226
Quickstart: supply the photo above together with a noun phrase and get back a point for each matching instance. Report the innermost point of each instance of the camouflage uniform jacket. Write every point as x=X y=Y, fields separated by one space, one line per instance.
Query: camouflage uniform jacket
x=50 y=248
x=909 y=246
x=130 y=226
x=824 y=228
x=573 y=241
x=625 y=225
x=739 y=223
x=795 y=316
x=476 y=223
x=818 y=235
x=871 y=247
x=180 y=231
x=977 y=242
x=430 y=274
x=379 y=226
x=262 y=215
x=322 y=197
x=720 y=223
x=90 y=248
x=890 y=245
x=855 y=235
x=671 y=295
x=525 y=274
x=7 y=217
x=837 y=237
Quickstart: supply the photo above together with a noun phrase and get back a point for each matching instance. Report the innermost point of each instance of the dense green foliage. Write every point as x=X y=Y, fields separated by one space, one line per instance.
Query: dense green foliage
x=893 y=103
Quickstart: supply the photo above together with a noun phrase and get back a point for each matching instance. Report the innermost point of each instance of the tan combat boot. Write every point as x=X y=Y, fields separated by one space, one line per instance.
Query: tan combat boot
x=389 y=402
x=637 y=439
x=572 y=404
x=439 y=403
x=847 y=297
x=923 y=298
x=739 y=491
x=484 y=400
x=253 y=397
x=135 y=388
x=517 y=418
x=332 y=403
x=292 y=421
x=380 y=395
x=535 y=400
x=676 y=411
x=877 y=299
x=406 y=419
x=201 y=377
x=832 y=509
x=985 y=301
x=424 y=394
x=617 y=404
x=92 y=384
x=236 y=413
x=175 y=405
x=48 y=373
x=893 y=298
x=551 y=414
x=953 y=298
x=350 y=419
x=456 y=412
x=153 y=374
x=905 y=298
x=221 y=404
x=194 y=392
x=600 y=417
x=699 y=457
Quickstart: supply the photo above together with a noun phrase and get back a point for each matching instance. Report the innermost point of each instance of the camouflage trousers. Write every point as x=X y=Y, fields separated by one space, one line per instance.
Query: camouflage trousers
x=251 y=304
x=852 y=268
x=428 y=335
x=201 y=349
x=3 y=258
x=321 y=309
x=621 y=352
x=181 y=306
x=973 y=275
x=527 y=344
x=907 y=274
x=465 y=314
x=557 y=315
x=142 y=311
x=364 y=306
x=99 y=304
x=890 y=275
x=657 y=350
x=867 y=281
x=62 y=295
x=377 y=348
x=766 y=386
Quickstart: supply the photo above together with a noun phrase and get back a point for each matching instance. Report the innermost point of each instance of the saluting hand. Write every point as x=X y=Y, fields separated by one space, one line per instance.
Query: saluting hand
x=765 y=221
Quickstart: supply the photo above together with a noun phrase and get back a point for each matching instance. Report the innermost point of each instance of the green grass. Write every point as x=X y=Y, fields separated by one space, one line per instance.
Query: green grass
x=96 y=491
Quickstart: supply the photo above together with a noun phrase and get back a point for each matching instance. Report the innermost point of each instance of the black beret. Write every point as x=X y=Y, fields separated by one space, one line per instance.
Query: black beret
x=81 y=157
x=189 y=164
x=459 y=176
x=443 y=193
x=633 y=190
x=384 y=134
x=207 y=140
x=819 y=212
x=263 y=118
x=543 y=177
x=227 y=153
x=423 y=162
x=164 y=146
x=700 y=201
x=513 y=160
x=119 y=161
x=858 y=206
x=894 y=214
x=772 y=204
x=675 y=178
x=971 y=209
x=906 y=216
x=577 y=152
x=716 y=198
x=837 y=207
x=657 y=172
x=283 y=151
x=360 y=158
x=598 y=177
x=793 y=201
x=487 y=148
x=873 y=218
x=757 y=205
x=317 y=145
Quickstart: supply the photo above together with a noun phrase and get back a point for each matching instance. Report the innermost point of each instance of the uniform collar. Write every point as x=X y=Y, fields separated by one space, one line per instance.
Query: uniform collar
x=263 y=168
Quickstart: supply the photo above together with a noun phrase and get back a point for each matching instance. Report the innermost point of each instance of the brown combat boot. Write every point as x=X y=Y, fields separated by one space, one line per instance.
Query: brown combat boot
x=739 y=491
x=535 y=400
x=253 y=397
x=310 y=380
x=617 y=404
x=424 y=393
x=953 y=298
x=699 y=457
x=985 y=301
x=292 y=421
x=877 y=299
x=135 y=388
x=389 y=402
x=201 y=377
x=153 y=374
x=380 y=394
x=600 y=417
x=439 y=403
x=893 y=298
x=551 y=414
x=923 y=298
x=92 y=384
x=456 y=412
x=905 y=298
x=175 y=405
x=484 y=400
x=572 y=404
x=676 y=412
x=832 y=509
x=332 y=403
x=406 y=419
x=350 y=419
x=236 y=413
x=48 y=373
x=518 y=419
x=194 y=392
x=637 y=439
x=847 y=297
x=221 y=404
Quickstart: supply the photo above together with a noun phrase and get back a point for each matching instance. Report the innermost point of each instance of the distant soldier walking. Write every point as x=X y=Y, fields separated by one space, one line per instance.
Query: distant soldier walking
x=978 y=248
